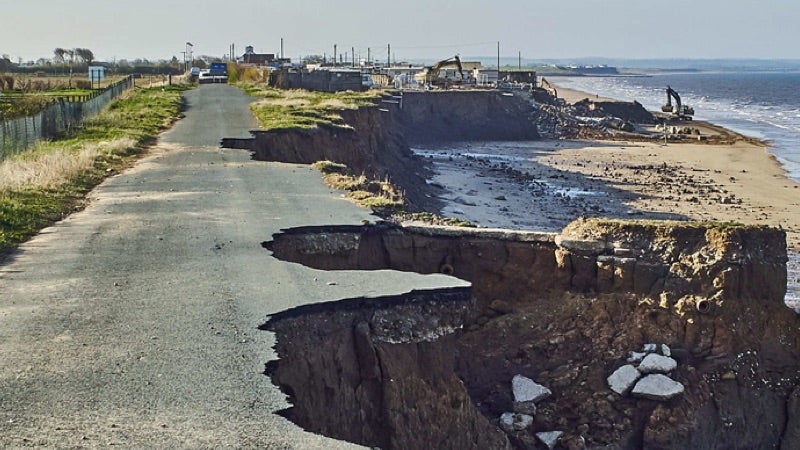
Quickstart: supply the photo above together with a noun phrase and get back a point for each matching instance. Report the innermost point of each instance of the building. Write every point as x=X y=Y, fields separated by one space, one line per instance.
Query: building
x=259 y=59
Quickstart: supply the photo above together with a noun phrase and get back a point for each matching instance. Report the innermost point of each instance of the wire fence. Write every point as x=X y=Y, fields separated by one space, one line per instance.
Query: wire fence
x=64 y=113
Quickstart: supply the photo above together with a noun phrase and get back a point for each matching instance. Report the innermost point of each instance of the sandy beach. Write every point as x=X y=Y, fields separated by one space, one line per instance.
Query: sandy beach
x=544 y=185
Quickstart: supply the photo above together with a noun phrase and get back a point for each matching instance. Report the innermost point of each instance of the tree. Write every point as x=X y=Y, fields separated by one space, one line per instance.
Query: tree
x=58 y=55
x=5 y=63
x=84 y=54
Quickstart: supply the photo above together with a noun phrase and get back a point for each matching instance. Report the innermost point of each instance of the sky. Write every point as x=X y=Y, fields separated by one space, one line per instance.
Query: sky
x=553 y=29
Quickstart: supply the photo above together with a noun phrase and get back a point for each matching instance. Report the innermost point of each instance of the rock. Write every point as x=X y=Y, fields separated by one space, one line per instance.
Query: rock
x=549 y=438
x=665 y=350
x=527 y=390
x=649 y=348
x=657 y=387
x=654 y=363
x=623 y=379
x=636 y=357
x=528 y=408
x=512 y=422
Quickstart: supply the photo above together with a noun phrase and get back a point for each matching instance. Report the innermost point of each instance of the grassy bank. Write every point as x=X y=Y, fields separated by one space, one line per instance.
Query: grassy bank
x=298 y=109
x=50 y=181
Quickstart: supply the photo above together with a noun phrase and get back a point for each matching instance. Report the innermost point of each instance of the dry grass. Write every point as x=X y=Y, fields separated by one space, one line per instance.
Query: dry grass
x=53 y=167
x=378 y=195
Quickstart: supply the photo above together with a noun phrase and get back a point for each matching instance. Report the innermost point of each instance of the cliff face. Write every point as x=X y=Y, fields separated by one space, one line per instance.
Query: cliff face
x=568 y=310
x=450 y=116
x=379 y=372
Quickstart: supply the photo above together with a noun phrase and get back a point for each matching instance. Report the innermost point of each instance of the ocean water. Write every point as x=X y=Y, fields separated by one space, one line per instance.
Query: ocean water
x=764 y=105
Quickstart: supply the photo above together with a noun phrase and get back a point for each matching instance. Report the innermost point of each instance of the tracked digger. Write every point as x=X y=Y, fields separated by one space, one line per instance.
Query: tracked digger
x=678 y=110
x=432 y=73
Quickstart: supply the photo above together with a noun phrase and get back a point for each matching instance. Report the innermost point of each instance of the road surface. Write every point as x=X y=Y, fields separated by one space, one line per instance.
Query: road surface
x=134 y=322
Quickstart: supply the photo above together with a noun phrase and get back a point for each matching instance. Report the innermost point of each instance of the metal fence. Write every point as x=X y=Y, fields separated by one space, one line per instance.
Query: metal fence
x=18 y=135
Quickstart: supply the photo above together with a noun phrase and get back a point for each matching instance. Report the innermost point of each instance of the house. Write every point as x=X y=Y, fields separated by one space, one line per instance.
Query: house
x=258 y=59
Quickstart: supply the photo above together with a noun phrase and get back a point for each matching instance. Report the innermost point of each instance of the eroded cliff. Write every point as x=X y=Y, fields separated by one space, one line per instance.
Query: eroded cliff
x=567 y=310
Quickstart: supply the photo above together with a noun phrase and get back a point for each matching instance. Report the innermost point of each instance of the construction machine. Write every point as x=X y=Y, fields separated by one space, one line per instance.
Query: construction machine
x=679 y=110
x=549 y=88
x=432 y=73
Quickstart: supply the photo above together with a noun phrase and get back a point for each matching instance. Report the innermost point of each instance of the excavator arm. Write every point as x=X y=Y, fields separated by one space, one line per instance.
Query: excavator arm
x=433 y=72
x=680 y=110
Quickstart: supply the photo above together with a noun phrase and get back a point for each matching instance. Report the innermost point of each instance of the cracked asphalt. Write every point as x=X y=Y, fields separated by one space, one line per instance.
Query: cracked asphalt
x=133 y=323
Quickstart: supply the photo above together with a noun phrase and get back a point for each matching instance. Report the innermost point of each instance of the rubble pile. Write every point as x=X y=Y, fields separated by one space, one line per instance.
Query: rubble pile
x=650 y=378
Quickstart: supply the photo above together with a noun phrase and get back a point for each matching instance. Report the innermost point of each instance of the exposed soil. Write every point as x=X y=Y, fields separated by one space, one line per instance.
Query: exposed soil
x=563 y=311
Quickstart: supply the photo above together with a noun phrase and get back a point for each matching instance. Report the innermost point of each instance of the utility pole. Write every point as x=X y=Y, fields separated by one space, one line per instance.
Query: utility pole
x=389 y=55
x=369 y=50
x=520 y=61
x=281 y=48
x=334 y=55
x=353 y=56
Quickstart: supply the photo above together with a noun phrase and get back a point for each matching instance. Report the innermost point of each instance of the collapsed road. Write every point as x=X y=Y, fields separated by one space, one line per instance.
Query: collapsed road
x=134 y=322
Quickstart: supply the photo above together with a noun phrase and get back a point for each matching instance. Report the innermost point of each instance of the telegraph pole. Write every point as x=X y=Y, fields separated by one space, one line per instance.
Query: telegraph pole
x=388 y=55
x=334 y=55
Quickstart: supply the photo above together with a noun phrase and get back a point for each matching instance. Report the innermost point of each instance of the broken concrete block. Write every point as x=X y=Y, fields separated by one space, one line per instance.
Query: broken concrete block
x=527 y=390
x=549 y=438
x=655 y=363
x=623 y=379
x=512 y=422
x=657 y=387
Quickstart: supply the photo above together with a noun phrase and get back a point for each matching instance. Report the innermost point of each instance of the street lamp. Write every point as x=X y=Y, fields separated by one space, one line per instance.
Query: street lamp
x=188 y=53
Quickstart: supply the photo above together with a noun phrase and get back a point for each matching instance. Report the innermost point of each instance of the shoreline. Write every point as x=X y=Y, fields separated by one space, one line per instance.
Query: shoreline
x=544 y=185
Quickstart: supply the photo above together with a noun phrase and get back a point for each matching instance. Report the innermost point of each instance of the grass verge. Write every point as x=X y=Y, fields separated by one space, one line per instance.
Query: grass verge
x=49 y=182
x=298 y=109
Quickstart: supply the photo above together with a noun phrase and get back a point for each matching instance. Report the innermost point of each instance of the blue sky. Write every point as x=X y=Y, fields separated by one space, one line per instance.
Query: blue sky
x=158 y=29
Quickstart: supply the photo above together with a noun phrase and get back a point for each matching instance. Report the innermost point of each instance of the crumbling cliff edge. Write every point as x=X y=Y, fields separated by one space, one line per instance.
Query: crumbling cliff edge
x=566 y=310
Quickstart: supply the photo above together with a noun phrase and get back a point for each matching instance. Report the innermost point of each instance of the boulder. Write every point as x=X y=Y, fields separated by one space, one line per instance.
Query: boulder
x=665 y=350
x=549 y=438
x=654 y=363
x=527 y=390
x=623 y=379
x=512 y=422
x=657 y=387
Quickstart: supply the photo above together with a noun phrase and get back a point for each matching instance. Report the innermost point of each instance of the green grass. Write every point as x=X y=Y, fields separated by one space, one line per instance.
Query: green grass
x=303 y=110
x=136 y=118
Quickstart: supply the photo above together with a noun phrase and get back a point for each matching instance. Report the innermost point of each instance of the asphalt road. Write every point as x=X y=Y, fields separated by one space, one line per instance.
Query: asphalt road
x=134 y=322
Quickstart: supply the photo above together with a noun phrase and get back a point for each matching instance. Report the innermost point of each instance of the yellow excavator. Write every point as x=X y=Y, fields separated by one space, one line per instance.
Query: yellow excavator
x=432 y=73
x=679 y=110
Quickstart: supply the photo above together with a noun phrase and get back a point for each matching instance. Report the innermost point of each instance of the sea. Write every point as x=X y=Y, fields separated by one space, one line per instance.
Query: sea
x=763 y=105
x=760 y=104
